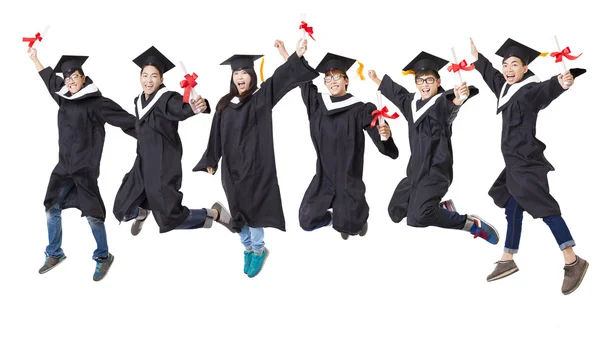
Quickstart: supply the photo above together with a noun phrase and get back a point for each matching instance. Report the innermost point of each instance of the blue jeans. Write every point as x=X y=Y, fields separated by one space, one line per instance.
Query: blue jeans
x=54 y=221
x=514 y=218
x=253 y=238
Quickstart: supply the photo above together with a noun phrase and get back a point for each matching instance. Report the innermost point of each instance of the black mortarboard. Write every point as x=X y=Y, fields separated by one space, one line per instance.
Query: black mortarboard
x=513 y=48
x=67 y=64
x=333 y=61
x=153 y=57
x=242 y=61
x=425 y=60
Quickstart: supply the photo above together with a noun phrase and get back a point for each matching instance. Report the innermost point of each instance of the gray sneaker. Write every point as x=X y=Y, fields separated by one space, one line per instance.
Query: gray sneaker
x=224 y=217
x=503 y=269
x=138 y=223
x=51 y=262
x=574 y=275
x=102 y=267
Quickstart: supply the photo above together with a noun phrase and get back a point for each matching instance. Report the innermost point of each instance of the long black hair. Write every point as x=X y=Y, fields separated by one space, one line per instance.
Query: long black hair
x=233 y=91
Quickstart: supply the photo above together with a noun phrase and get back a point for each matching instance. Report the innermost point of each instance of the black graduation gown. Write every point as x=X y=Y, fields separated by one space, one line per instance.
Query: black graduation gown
x=525 y=176
x=242 y=134
x=156 y=172
x=429 y=171
x=336 y=130
x=81 y=119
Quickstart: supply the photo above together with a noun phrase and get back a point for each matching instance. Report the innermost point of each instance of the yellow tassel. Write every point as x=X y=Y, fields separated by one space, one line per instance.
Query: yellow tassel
x=407 y=72
x=360 y=70
x=543 y=54
x=262 y=65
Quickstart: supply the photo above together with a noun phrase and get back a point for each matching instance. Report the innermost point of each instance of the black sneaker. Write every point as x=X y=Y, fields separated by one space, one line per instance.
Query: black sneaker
x=138 y=223
x=51 y=262
x=102 y=267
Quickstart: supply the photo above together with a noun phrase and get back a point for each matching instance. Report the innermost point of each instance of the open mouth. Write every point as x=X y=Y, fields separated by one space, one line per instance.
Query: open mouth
x=334 y=87
x=510 y=77
x=425 y=91
x=148 y=87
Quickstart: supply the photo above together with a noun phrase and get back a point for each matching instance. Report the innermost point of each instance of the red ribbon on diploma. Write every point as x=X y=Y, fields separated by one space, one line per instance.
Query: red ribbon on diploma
x=309 y=30
x=32 y=40
x=564 y=53
x=187 y=84
x=460 y=66
x=383 y=112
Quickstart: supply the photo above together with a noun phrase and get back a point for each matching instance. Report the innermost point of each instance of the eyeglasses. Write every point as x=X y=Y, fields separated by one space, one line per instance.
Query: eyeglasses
x=72 y=78
x=336 y=76
x=428 y=80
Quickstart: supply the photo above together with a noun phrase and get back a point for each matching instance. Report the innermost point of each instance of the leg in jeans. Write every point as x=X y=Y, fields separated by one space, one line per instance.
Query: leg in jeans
x=54 y=222
x=563 y=237
x=245 y=237
x=134 y=209
x=99 y=232
x=257 y=235
x=194 y=220
x=514 y=220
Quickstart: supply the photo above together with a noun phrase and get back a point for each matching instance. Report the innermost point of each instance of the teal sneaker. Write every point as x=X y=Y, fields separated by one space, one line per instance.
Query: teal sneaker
x=257 y=262
x=51 y=262
x=102 y=267
x=247 y=260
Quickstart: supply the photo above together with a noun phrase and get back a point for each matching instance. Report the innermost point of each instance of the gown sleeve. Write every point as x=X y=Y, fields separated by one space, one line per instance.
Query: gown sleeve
x=53 y=82
x=394 y=92
x=177 y=110
x=286 y=77
x=491 y=76
x=212 y=155
x=387 y=147
x=115 y=115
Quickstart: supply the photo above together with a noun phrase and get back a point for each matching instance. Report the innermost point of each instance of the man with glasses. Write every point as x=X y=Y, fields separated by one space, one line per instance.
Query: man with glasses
x=429 y=112
x=337 y=122
x=82 y=113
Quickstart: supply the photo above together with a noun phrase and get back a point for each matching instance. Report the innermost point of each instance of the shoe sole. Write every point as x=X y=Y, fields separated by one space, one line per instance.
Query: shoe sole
x=504 y=274
x=579 y=281
x=218 y=206
x=263 y=264
x=51 y=268
x=493 y=228
x=108 y=269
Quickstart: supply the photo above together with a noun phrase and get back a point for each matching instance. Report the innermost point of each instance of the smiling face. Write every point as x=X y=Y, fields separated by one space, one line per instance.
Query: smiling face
x=242 y=80
x=336 y=82
x=427 y=83
x=151 y=79
x=513 y=69
x=74 y=81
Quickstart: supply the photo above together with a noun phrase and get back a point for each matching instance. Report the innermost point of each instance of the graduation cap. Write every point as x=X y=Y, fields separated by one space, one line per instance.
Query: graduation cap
x=333 y=61
x=513 y=48
x=153 y=57
x=242 y=61
x=68 y=64
x=424 y=60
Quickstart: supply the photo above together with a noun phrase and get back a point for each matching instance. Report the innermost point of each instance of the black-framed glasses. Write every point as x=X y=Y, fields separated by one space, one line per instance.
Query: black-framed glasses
x=428 y=80
x=336 y=76
x=72 y=78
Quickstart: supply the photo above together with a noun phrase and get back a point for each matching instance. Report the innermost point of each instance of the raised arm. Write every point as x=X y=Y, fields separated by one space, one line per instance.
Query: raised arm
x=52 y=81
x=395 y=93
x=286 y=77
x=491 y=76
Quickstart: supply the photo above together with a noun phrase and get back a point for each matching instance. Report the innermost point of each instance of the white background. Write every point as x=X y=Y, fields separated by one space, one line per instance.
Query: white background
x=398 y=290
